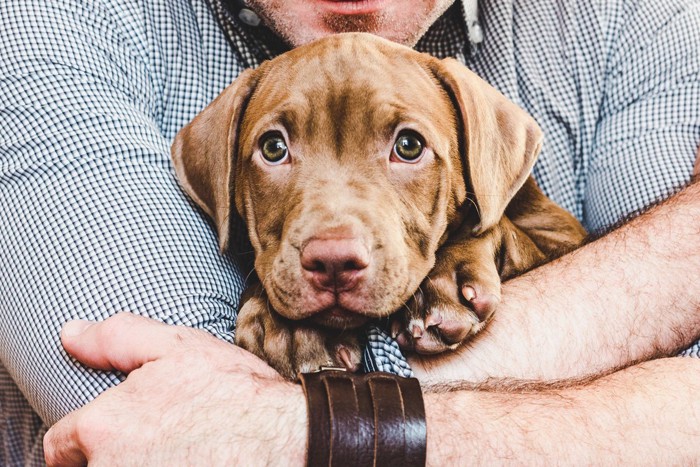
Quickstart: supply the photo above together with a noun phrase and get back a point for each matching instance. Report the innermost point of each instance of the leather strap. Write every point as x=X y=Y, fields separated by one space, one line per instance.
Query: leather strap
x=376 y=419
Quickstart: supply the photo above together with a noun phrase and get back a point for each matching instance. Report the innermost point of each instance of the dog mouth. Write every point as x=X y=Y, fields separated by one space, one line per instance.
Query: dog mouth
x=337 y=317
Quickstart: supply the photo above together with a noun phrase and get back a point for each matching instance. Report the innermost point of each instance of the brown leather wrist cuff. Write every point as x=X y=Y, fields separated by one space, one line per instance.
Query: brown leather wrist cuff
x=372 y=419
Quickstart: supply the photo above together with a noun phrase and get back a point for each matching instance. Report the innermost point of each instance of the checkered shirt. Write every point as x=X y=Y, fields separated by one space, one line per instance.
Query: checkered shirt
x=92 y=220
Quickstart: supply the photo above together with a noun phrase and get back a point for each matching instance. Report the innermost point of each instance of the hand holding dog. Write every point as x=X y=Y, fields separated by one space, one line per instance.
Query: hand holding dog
x=208 y=384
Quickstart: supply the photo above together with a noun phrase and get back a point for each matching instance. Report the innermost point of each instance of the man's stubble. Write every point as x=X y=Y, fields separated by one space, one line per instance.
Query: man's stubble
x=407 y=30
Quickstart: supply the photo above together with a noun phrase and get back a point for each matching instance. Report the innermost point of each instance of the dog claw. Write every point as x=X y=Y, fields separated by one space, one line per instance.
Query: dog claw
x=416 y=328
x=417 y=332
x=403 y=341
x=468 y=292
x=346 y=359
x=433 y=319
x=395 y=328
x=483 y=305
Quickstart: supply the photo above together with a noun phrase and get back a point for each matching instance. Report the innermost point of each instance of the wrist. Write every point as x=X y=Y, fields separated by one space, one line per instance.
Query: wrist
x=371 y=419
x=293 y=443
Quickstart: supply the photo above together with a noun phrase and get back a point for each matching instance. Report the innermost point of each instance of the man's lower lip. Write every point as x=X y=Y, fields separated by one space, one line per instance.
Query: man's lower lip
x=353 y=7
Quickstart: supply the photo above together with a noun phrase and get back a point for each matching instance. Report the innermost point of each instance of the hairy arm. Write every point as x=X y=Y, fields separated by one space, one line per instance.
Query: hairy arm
x=644 y=414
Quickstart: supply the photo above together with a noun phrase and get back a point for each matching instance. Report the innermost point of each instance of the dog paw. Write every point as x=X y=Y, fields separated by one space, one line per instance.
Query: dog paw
x=314 y=348
x=442 y=315
x=266 y=336
x=293 y=347
x=348 y=353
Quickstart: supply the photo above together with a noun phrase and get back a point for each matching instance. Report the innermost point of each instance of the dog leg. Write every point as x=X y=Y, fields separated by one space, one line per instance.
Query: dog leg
x=462 y=292
x=549 y=229
x=456 y=299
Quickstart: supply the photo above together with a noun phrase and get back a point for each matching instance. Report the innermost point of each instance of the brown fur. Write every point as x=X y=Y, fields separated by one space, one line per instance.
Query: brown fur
x=340 y=102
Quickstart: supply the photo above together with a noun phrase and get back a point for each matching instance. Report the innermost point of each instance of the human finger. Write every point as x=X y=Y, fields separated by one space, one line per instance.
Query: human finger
x=122 y=342
x=696 y=169
x=61 y=446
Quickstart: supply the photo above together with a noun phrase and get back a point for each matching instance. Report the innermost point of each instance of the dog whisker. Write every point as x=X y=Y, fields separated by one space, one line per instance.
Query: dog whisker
x=415 y=299
x=242 y=253
x=267 y=307
x=473 y=203
x=252 y=271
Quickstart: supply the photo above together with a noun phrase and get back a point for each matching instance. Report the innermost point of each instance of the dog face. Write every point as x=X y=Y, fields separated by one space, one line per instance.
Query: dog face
x=349 y=159
x=346 y=215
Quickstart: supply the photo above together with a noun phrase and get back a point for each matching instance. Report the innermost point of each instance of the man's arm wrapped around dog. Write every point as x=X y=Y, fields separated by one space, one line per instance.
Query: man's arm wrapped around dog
x=641 y=415
x=92 y=221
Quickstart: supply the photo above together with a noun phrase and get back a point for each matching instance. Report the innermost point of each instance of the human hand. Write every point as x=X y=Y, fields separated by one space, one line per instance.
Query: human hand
x=188 y=399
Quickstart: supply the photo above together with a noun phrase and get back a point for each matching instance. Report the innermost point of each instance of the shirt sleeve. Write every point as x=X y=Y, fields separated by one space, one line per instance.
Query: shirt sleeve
x=92 y=221
x=649 y=126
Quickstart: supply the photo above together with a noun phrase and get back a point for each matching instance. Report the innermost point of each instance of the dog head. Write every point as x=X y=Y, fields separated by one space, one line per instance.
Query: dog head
x=350 y=159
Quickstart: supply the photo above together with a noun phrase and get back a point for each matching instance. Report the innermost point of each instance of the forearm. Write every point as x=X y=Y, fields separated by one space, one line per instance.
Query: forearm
x=629 y=296
x=627 y=417
x=644 y=414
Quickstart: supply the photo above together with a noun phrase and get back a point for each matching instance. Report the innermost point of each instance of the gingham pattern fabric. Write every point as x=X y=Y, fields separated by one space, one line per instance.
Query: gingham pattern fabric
x=92 y=220
x=382 y=353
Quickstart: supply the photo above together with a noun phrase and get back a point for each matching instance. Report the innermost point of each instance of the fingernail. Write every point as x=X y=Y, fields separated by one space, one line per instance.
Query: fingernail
x=75 y=327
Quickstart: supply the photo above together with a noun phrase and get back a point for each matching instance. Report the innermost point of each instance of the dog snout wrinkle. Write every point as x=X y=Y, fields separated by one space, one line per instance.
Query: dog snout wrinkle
x=335 y=264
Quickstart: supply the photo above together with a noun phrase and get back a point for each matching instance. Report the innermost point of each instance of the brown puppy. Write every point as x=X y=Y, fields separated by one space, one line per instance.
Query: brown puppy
x=354 y=162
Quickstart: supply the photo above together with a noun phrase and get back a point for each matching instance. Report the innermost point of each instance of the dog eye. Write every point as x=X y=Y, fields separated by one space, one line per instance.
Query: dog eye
x=408 y=147
x=273 y=147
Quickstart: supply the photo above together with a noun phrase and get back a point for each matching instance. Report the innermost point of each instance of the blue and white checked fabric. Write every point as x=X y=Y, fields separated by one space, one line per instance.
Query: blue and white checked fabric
x=92 y=221
x=382 y=353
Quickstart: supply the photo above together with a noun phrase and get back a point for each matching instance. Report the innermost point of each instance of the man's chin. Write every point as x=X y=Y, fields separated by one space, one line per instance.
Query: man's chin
x=336 y=24
x=332 y=24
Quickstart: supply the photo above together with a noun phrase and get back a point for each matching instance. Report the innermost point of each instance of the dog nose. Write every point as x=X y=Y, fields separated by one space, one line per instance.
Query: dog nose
x=336 y=264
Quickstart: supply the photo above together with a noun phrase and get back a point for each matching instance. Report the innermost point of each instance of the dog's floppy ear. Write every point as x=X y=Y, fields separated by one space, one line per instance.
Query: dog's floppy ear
x=500 y=141
x=203 y=153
